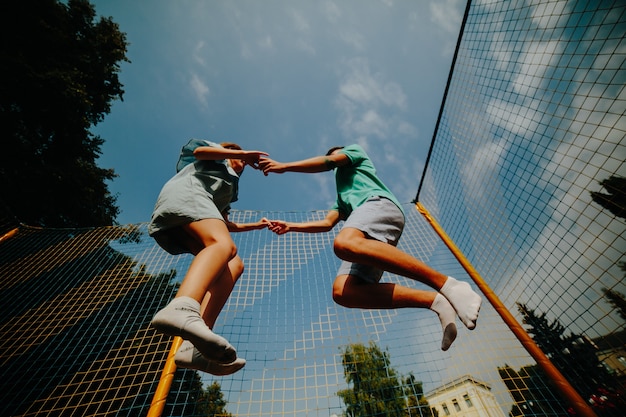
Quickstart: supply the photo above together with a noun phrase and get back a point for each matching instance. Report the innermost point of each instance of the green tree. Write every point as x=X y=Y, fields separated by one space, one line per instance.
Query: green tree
x=376 y=387
x=532 y=393
x=614 y=199
x=617 y=300
x=211 y=402
x=59 y=77
x=417 y=405
x=573 y=355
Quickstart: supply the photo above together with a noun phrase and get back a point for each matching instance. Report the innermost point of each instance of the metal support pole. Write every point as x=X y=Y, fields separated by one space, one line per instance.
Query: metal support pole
x=165 y=383
x=564 y=387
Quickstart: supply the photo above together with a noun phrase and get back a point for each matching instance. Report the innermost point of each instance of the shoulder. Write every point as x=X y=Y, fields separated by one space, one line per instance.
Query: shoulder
x=187 y=157
x=355 y=153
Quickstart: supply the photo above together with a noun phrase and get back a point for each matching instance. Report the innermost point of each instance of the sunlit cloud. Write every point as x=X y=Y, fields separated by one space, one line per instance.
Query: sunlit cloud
x=361 y=88
x=300 y=23
x=520 y=119
x=479 y=172
x=303 y=39
x=446 y=14
x=353 y=39
x=548 y=15
x=266 y=43
x=197 y=54
x=200 y=89
x=331 y=11
x=536 y=59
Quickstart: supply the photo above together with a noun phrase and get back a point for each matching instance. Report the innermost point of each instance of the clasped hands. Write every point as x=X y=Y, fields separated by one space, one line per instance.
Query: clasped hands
x=279 y=227
x=259 y=160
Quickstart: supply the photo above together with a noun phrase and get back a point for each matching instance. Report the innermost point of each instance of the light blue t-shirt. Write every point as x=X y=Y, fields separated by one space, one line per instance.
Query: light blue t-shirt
x=201 y=189
x=357 y=182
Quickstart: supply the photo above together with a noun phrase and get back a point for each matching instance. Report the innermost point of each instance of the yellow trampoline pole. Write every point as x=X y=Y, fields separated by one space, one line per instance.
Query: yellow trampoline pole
x=165 y=383
x=8 y=235
x=576 y=401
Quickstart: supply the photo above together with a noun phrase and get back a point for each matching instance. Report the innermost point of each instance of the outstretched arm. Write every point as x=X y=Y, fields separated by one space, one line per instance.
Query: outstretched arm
x=309 y=166
x=246 y=227
x=213 y=153
x=318 y=226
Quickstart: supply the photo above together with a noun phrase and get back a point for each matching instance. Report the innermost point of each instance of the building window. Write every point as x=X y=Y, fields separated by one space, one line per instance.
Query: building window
x=456 y=405
x=445 y=409
x=468 y=401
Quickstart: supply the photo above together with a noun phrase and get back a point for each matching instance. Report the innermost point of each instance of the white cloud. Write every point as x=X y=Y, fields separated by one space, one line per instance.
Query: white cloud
x=446 y=14
x=331 y=11
x=363 y=88
x=479 y=172
x=200 y=89
x=303 y=39
x=197 y=55
x=300 y=23
x=520 y=119
x=305 y=46
x=266 y=43
x=353 y=39
x=245 y=51
x=369 y=105
x=547 y=15
x=536 y=59
x=371 y=123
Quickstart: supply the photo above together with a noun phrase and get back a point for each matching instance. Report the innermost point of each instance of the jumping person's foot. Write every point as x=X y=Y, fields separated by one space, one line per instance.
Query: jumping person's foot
x=464 y=300
x=447 y=317
x=181 y=317
x=189 y=357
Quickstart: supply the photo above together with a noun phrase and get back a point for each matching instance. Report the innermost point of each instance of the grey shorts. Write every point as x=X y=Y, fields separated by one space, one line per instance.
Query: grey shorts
x=380 y=219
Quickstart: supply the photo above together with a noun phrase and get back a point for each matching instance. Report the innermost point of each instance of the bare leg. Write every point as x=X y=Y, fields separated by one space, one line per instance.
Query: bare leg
x=220 y=290
x=352 y=245
x=210 y=240
x=352 y=292
x=217 y=250
x=188 y=356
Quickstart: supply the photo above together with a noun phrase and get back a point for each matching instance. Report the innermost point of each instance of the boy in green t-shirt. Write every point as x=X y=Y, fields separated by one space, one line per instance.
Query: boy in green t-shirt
x=366 y=244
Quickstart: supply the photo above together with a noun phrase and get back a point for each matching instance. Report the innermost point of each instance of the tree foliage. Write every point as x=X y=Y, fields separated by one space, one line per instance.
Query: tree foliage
x=377 y=389
x=617 y=301
x=212 y=403
x=614 y=199
x=532 y=394
x=573 y=355
x=60 y=75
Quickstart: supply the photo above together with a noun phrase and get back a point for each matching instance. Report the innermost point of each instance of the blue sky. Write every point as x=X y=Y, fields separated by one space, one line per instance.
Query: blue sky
x=291 y=78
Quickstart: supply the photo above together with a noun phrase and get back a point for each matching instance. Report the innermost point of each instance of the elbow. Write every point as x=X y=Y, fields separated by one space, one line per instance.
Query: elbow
x=326 y=227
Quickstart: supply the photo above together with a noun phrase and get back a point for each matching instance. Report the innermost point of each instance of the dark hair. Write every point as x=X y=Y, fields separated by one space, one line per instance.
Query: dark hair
x=333 y=149
x=230 y=145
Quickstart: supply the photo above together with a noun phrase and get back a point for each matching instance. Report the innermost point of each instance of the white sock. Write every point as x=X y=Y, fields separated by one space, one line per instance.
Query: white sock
x=181 y=317
x=464 y=300
x=189 y=357
x=447 y=317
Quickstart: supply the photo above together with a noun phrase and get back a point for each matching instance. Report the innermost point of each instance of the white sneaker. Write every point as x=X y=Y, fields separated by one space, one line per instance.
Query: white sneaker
x=181 y=317
x=189 y=357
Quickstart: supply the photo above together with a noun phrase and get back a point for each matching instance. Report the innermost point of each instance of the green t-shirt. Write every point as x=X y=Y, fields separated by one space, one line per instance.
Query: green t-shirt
x=357 y=182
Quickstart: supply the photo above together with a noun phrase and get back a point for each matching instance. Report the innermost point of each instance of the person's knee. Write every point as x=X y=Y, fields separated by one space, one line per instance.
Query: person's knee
x=228 y=248
x=338 y=291
x=345 y=247
x=236 y=267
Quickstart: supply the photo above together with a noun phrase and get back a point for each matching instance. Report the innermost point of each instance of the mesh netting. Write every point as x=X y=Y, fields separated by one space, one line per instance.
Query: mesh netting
x=526 y=177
